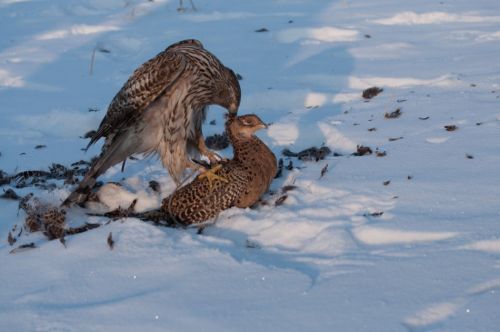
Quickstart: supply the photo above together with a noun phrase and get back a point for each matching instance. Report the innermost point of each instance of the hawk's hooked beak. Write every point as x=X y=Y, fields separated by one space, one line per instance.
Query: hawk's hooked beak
x=233 y=108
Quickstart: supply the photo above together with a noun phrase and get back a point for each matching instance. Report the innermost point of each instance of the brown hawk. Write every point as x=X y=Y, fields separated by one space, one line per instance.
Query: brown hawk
x=160 y=109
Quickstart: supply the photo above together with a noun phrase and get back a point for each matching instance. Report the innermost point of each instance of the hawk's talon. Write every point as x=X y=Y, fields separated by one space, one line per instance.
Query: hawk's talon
x=213 y=157
x=211 y=176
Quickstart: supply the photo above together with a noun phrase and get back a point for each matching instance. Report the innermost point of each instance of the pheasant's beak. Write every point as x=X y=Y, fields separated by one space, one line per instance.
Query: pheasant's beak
x=263 y=125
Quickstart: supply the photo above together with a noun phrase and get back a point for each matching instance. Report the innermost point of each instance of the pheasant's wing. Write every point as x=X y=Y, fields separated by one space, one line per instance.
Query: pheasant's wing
x=237 y=185
x=146 y=84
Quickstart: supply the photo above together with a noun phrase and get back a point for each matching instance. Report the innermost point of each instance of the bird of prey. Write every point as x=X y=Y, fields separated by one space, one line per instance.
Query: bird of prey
x=160 y=109
x=248 y=175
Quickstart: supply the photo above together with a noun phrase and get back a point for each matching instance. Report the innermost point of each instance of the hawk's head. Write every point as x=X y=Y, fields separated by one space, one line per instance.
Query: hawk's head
x=228 y=93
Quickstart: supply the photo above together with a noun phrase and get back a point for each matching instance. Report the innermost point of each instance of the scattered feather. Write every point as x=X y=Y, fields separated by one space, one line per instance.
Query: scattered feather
x=111 y=242
x=362 y=150
x=217 y=141
x=23 y=247
x=374 y=214
x=103 y=50
x=309 y=154
x=120 y=213
x=10 y=194
x=280 y=200
x=393 y=115
x=89 y=134
x=324 y=170
x=280 y=169
x=11 y=239
x=288 y=188
x=81 y=229
x=252 y=244
x=371 y=92
x=155 y=186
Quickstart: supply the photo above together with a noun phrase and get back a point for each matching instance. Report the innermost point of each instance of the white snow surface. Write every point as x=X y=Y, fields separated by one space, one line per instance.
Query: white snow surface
x=327 y=259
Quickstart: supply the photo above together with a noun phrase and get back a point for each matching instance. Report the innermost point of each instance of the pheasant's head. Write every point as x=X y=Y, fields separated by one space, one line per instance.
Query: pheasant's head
x=244 y=125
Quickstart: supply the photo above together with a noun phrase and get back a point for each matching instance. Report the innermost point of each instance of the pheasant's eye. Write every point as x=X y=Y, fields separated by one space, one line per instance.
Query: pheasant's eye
x=246 y=122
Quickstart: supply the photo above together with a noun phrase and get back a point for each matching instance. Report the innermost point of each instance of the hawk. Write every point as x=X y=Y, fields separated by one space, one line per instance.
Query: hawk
x=249 y=175
x=160 y=110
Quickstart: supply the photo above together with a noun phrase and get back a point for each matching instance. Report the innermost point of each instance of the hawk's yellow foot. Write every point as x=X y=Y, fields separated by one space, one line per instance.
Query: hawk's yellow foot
x=211 y=176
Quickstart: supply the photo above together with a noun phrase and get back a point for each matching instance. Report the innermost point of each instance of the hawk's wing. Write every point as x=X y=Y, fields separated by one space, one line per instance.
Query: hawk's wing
x=146 y=84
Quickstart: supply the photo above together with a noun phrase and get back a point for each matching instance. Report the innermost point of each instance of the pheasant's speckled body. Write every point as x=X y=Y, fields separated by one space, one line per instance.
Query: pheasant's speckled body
x=249 y=175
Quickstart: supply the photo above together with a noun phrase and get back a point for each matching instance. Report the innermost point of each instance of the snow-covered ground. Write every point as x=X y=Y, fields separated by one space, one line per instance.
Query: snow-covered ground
x=324 y=260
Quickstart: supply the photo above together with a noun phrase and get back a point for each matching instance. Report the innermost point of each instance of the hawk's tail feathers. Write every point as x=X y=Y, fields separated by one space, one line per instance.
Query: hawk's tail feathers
x=117 y=152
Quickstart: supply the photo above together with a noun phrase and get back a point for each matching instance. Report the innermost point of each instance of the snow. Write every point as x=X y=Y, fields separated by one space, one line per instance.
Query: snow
x=346 y=251
x=323 y=34
x=412 y=18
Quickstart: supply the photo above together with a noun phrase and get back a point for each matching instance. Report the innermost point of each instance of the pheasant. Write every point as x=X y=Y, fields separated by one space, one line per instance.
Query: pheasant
x=248 y=176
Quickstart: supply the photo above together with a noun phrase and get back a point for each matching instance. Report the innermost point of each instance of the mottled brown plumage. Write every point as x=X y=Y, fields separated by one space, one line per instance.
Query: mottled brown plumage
x=249 y=175
x=49 y=219
x=160 y=109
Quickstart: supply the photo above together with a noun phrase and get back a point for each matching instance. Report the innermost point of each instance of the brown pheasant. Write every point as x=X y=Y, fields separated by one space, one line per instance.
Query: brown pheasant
x=160 y=109
x=248 y=175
